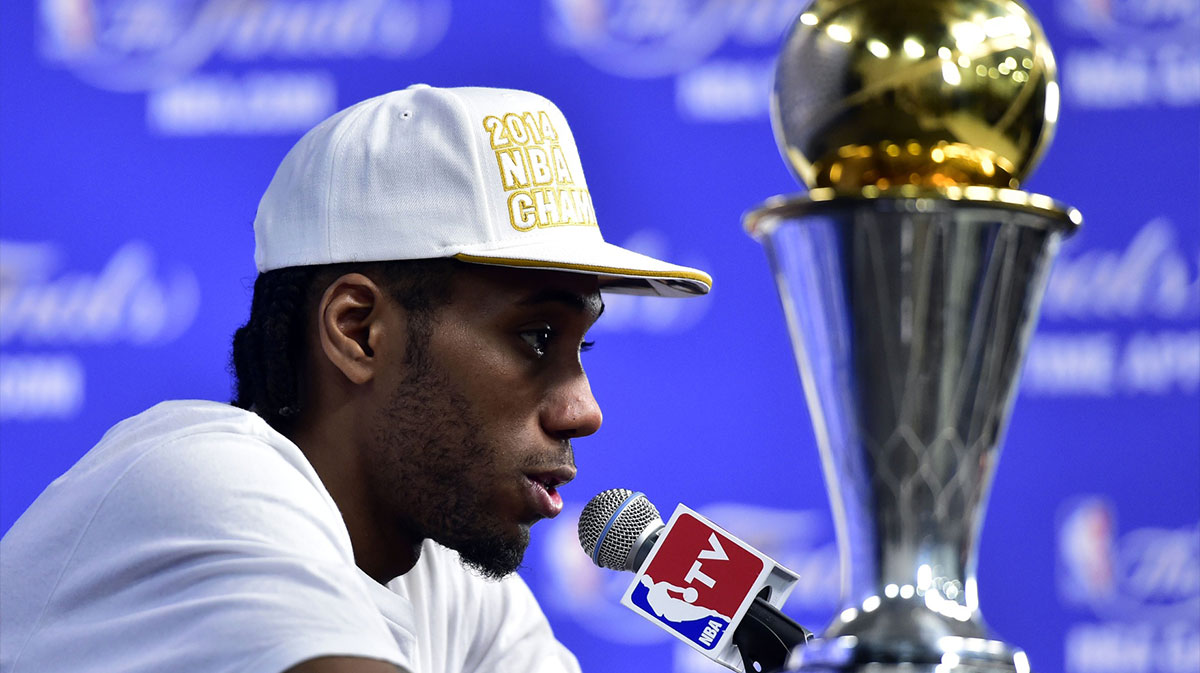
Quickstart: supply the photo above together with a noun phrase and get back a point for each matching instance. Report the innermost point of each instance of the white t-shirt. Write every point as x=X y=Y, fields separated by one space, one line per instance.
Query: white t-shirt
x=194 y=537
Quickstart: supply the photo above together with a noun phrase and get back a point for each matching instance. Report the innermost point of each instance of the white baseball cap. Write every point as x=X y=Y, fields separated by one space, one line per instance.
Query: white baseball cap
x=487 y=176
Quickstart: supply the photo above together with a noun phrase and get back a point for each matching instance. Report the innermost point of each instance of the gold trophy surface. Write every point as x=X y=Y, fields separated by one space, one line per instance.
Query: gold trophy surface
x=911 y=275
x=879 y=94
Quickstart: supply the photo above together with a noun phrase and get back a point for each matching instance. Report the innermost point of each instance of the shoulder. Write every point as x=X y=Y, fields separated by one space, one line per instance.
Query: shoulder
x=162 y=459
x=210 y=470
x=181 y=473
x=182 y=526
x=193 y=445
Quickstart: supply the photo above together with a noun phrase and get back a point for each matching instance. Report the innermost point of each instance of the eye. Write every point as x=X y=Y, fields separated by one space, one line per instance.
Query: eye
x=538 y=338
x=586 y=346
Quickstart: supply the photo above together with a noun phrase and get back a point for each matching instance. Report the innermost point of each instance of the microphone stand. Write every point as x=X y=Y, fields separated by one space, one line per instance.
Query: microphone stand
x=766 y=637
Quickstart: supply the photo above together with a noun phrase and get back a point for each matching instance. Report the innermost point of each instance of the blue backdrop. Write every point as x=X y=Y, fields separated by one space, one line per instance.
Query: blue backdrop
x=136 y=138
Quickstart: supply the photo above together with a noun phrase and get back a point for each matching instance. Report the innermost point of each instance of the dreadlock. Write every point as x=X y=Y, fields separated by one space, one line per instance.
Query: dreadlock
x=268 y=351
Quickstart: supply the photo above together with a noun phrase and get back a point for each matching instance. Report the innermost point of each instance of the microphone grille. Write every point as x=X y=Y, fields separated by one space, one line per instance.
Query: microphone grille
x=611 y=523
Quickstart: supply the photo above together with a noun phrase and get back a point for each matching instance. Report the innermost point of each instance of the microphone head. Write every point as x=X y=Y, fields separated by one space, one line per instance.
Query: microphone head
x=612 y=524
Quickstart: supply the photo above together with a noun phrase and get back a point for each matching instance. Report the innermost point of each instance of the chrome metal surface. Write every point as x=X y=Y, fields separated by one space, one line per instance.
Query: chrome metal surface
x=909 y=318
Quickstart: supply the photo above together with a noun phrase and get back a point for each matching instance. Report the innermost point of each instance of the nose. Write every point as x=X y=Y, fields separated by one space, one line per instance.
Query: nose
x=572 y=410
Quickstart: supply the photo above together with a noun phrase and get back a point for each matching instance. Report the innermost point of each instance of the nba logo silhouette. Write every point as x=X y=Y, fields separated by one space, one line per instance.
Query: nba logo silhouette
x=697 y=581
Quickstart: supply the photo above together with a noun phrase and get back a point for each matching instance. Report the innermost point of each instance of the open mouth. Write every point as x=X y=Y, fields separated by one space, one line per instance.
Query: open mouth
x=548 y=481
x=544 y=488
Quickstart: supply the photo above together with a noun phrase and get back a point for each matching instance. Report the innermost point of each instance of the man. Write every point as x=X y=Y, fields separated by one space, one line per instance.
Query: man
x=408 y=386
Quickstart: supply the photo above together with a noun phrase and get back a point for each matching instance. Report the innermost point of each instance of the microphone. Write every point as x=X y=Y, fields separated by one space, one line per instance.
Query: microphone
x=621 y=529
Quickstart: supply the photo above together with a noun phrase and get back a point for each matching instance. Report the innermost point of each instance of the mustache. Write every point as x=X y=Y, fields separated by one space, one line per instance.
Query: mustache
x=564 y=454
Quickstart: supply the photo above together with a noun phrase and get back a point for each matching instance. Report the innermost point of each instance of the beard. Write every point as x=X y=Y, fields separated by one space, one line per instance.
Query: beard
x=432 y=471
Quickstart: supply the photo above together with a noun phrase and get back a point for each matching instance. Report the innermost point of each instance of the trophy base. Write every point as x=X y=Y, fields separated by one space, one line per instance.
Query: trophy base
x=875 y=667
x=828 y=656
x=905 y=635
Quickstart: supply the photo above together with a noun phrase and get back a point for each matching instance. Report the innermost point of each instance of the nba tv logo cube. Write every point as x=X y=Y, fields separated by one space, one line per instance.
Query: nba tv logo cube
x=697 y=582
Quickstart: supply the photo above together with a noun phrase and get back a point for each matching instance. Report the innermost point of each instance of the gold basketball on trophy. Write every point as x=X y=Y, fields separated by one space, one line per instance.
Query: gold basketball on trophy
x=880 y=94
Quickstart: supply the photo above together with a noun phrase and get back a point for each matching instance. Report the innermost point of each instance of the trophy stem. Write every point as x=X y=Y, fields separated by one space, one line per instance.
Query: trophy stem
x=910 y=317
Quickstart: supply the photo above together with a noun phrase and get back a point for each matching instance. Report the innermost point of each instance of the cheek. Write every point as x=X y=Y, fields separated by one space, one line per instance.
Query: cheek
x=501 y=386
x=509 y=419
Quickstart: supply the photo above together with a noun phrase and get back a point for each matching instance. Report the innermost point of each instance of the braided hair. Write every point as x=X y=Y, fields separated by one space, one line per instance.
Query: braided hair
x=268 y=351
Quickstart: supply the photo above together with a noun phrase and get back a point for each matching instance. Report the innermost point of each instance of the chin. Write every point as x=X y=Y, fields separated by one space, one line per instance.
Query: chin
x=493 y=556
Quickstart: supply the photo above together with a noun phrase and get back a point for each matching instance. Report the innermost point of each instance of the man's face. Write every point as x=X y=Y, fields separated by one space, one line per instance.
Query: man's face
x=474 y=436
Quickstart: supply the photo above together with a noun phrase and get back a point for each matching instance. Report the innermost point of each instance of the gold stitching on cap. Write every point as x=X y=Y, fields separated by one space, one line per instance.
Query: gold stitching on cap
x=536 y=174
x=698 y=276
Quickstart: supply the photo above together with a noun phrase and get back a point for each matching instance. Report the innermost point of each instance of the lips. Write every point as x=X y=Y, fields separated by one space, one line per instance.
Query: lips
x=543 y=487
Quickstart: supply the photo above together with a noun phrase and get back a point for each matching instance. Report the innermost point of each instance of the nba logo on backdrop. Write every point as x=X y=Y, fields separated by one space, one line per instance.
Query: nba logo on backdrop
x=697 y=581
x=1148 y=573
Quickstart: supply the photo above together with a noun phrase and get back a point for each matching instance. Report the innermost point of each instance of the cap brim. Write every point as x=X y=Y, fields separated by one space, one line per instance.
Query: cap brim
x=618 y=269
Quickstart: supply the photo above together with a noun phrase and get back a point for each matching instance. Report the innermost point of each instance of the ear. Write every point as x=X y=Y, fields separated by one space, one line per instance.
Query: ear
x=354 y=318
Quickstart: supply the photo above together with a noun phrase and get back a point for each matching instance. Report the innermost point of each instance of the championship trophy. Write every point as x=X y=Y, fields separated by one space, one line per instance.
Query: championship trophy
x=911 y=276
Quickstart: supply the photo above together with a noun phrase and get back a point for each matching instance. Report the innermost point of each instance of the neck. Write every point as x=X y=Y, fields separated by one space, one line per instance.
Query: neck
x=383 y=547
